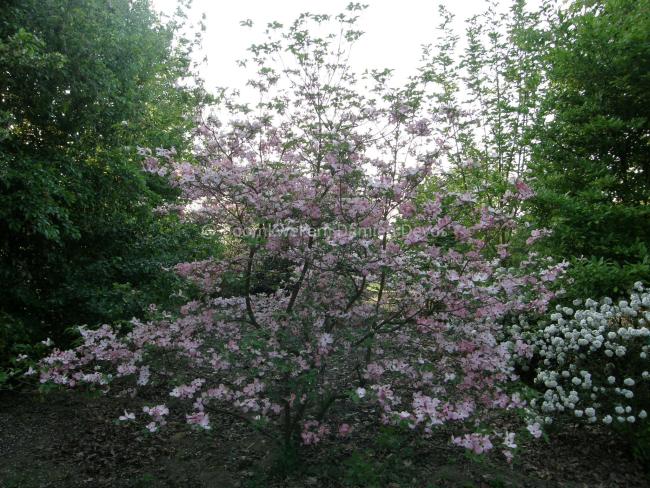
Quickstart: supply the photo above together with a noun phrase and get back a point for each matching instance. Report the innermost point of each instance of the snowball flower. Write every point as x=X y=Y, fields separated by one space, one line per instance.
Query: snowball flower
x=361 y=392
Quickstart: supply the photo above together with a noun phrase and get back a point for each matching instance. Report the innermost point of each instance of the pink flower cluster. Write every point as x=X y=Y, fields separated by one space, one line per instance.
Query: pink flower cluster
x=478 y=443
x=157 y=414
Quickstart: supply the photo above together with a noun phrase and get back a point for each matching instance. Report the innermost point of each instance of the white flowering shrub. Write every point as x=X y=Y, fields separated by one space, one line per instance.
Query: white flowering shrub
x=593 y=361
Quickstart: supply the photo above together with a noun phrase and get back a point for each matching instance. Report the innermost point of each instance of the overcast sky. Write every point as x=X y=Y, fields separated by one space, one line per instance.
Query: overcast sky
x=394 y=30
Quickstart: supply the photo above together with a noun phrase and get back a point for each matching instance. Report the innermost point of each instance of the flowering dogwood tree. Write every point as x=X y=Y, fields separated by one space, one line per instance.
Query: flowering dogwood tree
x=378 y=297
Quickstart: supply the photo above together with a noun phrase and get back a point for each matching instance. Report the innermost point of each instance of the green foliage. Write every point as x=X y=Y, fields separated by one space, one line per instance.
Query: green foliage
x=486 y=98
x=597 y=277
x=83 y=84
x=591 y=163
x=17 y=352
x=361 y=471
x=390 y=459
x=145 y=480
x=560 y=98
x=640 y=443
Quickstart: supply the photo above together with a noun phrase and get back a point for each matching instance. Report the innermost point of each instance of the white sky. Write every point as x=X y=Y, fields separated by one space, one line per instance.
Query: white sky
x=394 y=31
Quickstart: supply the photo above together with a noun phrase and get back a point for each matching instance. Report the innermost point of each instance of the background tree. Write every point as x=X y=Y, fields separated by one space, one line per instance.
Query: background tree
x=82 y=84
x=591 y=160
x=486 y=98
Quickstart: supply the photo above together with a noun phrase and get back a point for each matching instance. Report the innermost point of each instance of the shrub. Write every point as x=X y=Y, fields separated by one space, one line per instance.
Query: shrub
x=594 y=360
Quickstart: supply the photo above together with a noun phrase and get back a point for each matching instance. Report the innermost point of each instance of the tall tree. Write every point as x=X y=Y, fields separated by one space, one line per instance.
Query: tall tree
x=82 y=84
x=485 y=99
x=592 y=158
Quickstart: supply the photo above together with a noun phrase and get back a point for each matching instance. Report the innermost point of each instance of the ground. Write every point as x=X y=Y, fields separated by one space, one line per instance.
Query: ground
x=71 y=440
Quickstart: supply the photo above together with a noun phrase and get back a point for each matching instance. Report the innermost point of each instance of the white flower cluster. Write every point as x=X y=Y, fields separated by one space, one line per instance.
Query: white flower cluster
x=594 y=360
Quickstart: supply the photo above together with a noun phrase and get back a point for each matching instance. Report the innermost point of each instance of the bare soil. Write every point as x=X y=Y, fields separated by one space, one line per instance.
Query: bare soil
x=72 y=440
